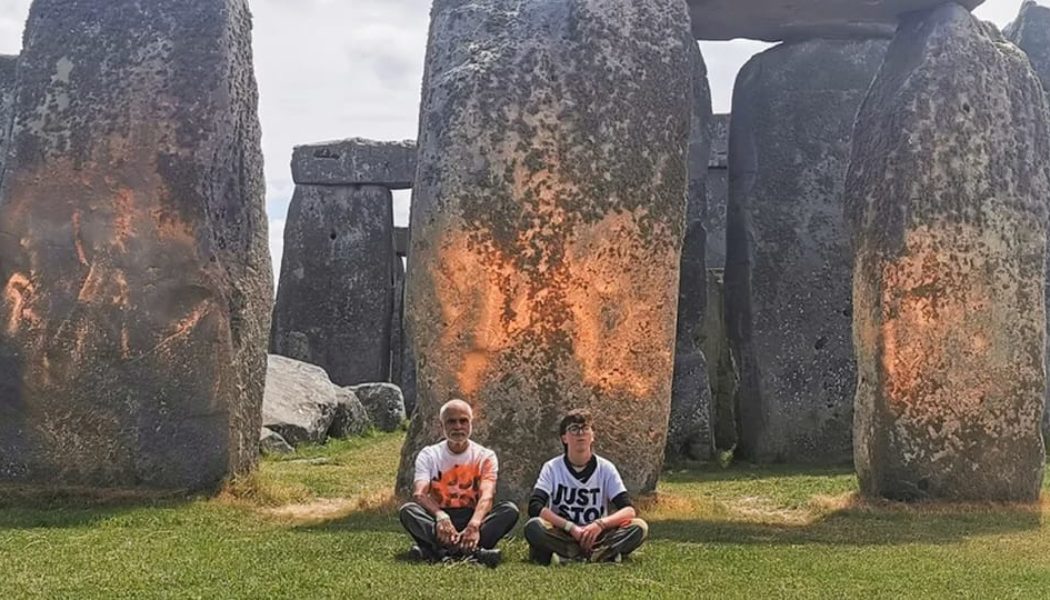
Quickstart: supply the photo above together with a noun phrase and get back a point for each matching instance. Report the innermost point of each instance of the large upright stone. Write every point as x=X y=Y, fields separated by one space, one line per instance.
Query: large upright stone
x=547 y=221
x=690 y=429
x=717 y=186
x=335 y=297
x=788 y=267
x=1031 y=33
x=8 y=65
x=777 y=20
x=135 y=277
x=948 y=184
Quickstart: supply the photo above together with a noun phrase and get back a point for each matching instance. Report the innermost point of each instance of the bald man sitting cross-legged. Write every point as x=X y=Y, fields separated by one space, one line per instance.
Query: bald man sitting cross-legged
x=452 y=515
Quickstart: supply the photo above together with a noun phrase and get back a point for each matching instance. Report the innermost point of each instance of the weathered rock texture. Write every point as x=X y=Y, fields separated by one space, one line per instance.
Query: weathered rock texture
x=721 y=371
x=300 y=402
x=1031 y=33
x=134 y=270
x=384 y=403
x=776 y=20
x=717 y=186
x=397 y=324
x=271 y=442
x=788 y=267
x=689 y=429
x=356 y=161
x=948 y=186
x=8 y=66
x=546 y=226
x=335 y=297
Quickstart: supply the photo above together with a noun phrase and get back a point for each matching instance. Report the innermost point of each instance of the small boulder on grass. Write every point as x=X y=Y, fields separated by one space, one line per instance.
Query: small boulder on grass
x=271 y=442
x=384 y=402
x=300 y=402
x=351 y=418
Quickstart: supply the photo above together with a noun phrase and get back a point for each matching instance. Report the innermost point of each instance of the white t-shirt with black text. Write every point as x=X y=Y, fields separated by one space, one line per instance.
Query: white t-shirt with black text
x=579 y=501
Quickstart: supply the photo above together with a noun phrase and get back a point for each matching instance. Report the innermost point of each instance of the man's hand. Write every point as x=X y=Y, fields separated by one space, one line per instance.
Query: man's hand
x=589 y=536
x=469 y=537
x=446 y=532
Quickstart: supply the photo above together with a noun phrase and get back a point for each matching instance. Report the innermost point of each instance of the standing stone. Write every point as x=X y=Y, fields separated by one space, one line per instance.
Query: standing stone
x=948 y=185
x=717 y=187
x=397 y=329
x=787 y=276
x=335 y=297
x=1031 y=33
x=721 y=372
x=135 y=277
x=689 y=430
x=547 y=221
x=8 y=65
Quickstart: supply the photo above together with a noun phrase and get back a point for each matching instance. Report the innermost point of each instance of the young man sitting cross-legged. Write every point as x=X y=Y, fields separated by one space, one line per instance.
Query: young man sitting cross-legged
x=570 y=502
x=452 y=515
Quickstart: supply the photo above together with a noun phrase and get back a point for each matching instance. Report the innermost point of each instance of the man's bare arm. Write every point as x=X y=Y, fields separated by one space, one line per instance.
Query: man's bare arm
x=446 y=531
x=471 y=534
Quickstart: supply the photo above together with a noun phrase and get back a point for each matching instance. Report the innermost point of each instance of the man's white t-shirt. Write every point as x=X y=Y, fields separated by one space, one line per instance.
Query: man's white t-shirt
x=580 y=501
x=455 y=479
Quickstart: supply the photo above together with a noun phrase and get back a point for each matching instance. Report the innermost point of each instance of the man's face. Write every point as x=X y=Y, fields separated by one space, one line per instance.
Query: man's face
x=456 y=424
x=578 y=437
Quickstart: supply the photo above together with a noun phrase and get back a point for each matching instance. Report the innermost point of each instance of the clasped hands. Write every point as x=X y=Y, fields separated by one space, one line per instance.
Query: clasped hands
x=587 y=536
x=466 y=540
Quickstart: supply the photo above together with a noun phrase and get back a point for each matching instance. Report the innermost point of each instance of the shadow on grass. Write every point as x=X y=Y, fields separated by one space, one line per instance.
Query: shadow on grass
x=24 y=507
x=707 y=472
x=854 y=527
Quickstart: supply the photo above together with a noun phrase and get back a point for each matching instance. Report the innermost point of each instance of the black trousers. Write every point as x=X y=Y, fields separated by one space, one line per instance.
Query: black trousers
x=422 y=526
x=544 y=540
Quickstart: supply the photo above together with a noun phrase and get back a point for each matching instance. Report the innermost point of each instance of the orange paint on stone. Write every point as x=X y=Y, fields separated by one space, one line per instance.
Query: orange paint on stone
x=16 y=292
x=927 y=301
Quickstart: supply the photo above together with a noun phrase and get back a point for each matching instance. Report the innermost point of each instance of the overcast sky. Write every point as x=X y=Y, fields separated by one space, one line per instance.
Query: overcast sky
x=331 y=69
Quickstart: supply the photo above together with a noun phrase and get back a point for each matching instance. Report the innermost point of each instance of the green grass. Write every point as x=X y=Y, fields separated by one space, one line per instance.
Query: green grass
x=315 y=526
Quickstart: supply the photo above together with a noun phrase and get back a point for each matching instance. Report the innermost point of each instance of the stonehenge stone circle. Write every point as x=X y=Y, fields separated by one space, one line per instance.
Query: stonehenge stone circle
x=717 y=187
x=7 y=101
x=689 y=429
x=1031 y=32
x=135 y=278
x=547 y=220
x=788 y=267
x=335 y=296
x=948 y=185
x=356 y=161
x=777 y=20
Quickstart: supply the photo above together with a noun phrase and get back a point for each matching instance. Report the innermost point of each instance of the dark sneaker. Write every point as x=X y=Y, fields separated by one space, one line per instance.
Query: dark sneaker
x=489 y=558
x=421 y=555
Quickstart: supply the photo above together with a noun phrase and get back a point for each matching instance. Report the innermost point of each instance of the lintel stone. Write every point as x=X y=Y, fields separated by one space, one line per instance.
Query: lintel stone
x=777 y=20
x=356 y=161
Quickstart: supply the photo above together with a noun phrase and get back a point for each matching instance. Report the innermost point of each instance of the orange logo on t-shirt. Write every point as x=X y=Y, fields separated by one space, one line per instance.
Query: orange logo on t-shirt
x=458 y=487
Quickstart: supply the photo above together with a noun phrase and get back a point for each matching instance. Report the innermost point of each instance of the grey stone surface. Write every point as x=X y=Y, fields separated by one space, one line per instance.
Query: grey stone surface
x=384 y=403
x=301 y=401
x=407 y=378
x=356 y=161
x=135 y=279
x=717 y=187
x=689 y=429
x=1031 y=32
x=546 y=226
x=271 y=442
x=721 y=371
x=335 y=296
x=350 y=417
x=788 y=267
x=777 y=20
x=397 y=323
x=401 y=241
x=948 y=184
x=8 y=66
